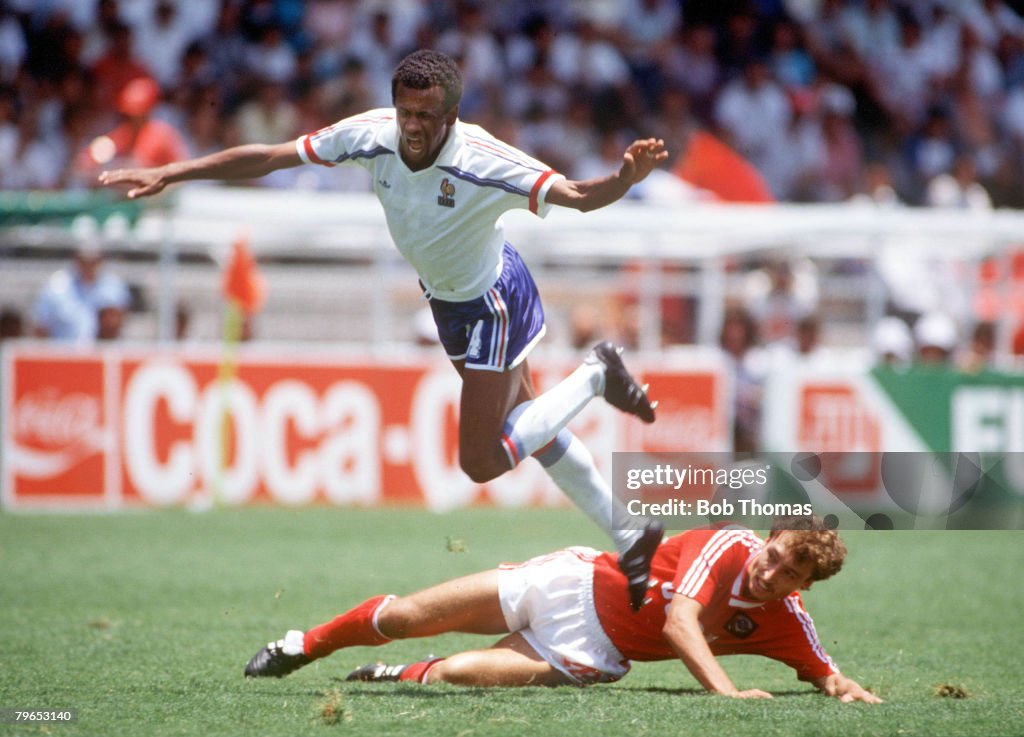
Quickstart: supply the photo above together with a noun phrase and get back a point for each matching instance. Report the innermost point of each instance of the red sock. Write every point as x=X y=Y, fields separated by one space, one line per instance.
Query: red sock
x=418 y=671
x=354 y=627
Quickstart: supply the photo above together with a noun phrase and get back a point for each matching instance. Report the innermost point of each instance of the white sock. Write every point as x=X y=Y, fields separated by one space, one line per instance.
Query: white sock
x=571 y=466
x=292 y=642
x=533 y=424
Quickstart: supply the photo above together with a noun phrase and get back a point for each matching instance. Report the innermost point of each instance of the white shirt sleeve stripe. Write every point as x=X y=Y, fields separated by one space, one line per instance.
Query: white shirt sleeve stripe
x=700 y=569
x=808 y=626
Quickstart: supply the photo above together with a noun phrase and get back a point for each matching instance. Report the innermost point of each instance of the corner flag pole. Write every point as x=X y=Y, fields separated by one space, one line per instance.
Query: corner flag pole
x=244 y=292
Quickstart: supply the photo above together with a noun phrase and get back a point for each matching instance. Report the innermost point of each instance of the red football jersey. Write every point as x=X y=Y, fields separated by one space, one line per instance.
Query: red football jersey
x=708 y=566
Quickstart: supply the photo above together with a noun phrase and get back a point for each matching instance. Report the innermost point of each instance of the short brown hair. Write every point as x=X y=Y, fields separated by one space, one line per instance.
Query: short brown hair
x=426 y=68
x=813 y=542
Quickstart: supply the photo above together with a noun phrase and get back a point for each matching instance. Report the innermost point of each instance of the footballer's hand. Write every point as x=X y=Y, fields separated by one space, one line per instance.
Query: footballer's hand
x=856 y=693
x=866 y=696
x=640 y=159
x=143 y=182
x=846 y=690
x=750 y=693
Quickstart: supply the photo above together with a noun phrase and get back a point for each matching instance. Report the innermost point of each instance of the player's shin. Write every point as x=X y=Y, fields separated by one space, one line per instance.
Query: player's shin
x=532 y=425
x=357 y=626
x=571 y=466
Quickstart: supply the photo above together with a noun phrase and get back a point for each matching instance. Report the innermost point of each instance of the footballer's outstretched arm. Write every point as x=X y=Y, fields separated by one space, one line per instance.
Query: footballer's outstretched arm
x=638 y=161
x=845 y=689
x=250 y=161
x=683 y=632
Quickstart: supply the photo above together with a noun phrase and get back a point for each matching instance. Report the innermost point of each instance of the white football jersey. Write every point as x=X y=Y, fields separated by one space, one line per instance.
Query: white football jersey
x=445 y=219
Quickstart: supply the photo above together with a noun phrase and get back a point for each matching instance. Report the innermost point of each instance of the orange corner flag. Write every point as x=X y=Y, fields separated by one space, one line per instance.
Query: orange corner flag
x=243 y=283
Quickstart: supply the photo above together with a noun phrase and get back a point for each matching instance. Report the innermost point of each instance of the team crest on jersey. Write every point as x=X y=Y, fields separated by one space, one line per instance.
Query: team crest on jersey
x=740 y=625
x=447 y=196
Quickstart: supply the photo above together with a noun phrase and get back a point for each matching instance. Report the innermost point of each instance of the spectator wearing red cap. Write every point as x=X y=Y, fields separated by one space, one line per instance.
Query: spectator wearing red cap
x=140 y=139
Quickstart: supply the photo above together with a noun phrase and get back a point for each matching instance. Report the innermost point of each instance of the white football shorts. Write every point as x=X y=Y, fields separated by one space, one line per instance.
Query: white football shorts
x=550 y=601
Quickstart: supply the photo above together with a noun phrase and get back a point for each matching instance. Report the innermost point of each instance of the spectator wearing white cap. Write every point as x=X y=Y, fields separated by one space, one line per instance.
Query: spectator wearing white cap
x=892 y=343
x=935 y=335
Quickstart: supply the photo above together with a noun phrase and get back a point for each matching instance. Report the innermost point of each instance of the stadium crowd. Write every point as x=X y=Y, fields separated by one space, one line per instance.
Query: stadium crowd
x=889 y=102
x=920 y=101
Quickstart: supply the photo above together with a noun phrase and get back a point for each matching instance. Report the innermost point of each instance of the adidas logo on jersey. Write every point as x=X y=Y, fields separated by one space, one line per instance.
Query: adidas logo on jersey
x=447 y=196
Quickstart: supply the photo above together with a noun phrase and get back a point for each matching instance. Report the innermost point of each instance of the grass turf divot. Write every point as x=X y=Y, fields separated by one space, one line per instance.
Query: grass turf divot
x=331 y=709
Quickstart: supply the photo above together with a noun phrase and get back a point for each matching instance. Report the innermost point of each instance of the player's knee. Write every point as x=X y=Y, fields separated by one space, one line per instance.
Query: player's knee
x=396 y=619
x=481 y=470
x=458 y=669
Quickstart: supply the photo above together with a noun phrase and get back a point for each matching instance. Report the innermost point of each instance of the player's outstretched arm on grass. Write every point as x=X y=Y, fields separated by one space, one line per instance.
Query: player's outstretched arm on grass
x=241 y=162
x=845 y=689
x=683 y=632
x=585 y=195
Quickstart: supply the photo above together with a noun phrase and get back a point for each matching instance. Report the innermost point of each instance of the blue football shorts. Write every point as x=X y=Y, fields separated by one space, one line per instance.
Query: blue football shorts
x=496 y=331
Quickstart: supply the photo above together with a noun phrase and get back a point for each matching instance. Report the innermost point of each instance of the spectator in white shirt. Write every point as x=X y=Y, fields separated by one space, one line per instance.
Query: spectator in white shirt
x=268 y=118
x=871 y=28
x=28 y=160
x=981 y=65
x=959 y=188
x=271 y=57
x=588 y=60
x=934 y=150
x=991 y=19
x=690 y=65
x=480 y=56
x=755 y=113
x=942 y=39
x=1012 y=114
x=159 y=44
x=372 y=45
x=12 y=46
x=647 y=29
x=903 y=74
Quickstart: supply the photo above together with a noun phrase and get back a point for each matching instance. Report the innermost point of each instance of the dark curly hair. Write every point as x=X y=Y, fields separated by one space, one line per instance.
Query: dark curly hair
x=426 y=68
x=813 y=542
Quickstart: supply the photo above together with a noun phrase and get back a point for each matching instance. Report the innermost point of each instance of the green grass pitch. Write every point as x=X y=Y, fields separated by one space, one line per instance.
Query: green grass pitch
x=143 y=622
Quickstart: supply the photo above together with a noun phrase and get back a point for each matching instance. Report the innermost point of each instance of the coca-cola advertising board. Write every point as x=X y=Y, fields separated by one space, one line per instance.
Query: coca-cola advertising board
x=126 y=426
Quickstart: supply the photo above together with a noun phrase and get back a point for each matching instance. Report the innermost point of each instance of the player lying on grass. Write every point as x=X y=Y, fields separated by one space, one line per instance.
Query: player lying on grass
x=444 y=185
x=566 y=618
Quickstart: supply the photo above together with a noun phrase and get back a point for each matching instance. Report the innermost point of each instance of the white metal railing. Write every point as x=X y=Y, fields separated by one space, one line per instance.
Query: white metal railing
x=568 y=247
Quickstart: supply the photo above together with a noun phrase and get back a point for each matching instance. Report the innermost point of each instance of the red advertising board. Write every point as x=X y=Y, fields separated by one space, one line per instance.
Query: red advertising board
x=135 y=426
x=59 y=428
